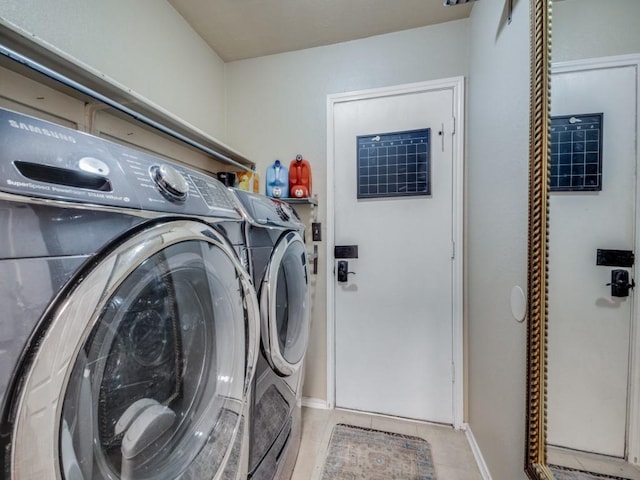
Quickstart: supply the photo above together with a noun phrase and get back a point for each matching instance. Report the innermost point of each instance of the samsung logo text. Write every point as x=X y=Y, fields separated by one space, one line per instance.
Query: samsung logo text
x=41 y=131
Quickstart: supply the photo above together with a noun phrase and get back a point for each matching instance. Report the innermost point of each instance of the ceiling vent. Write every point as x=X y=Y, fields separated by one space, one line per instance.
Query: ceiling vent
x=450 y=3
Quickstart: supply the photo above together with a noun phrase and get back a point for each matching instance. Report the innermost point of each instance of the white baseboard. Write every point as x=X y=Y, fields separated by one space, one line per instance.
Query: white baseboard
x=477 y=454
x=315 y=403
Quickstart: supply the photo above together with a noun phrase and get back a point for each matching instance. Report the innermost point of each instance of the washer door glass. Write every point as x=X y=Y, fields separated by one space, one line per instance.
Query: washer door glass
x=143 y=365
x=158 y=376
x=287 y=293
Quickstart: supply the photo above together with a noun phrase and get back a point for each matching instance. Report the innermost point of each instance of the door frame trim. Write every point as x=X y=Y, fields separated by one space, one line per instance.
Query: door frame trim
x=632 y=434
x=456 y=85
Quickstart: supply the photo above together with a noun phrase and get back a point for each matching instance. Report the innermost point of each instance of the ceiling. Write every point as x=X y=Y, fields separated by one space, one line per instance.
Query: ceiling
x=239 y=29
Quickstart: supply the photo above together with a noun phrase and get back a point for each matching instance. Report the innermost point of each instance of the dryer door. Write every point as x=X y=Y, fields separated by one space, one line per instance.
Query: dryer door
x=284 y=305
x=143 y=369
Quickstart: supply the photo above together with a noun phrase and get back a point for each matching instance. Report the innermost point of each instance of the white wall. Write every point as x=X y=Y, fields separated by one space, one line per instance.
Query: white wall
x=277 y=108
x=594 y=28
x=497 y=211
x=144 y=45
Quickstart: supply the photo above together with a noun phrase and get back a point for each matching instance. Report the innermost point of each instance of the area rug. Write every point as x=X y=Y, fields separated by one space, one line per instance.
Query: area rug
x=357 y=453
x=565 y=473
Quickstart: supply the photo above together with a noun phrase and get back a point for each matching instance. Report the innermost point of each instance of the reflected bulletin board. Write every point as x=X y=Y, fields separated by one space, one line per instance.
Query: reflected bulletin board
x=576 y=153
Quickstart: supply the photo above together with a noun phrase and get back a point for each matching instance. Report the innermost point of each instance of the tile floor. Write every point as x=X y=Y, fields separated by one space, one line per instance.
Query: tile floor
x=451 y=452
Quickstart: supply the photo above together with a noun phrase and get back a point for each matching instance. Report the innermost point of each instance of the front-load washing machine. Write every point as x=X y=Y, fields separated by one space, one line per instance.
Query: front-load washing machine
x=130 y=328
x=279 y=268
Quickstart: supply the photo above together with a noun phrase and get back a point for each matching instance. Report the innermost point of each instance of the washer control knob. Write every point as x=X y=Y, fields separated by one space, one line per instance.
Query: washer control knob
x=171 y=183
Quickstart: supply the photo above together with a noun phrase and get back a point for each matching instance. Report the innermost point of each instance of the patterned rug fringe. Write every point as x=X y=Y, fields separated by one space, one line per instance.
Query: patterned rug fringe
x=373 y=430
x=566 y=473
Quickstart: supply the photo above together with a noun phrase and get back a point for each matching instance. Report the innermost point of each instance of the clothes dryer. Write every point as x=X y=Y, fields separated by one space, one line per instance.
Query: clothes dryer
x=130 y=328
x=280 y=271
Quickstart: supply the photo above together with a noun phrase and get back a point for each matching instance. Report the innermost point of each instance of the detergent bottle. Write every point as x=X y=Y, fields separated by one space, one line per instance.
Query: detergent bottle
x=300 y=177
x=256 y=182
x=248 y=181
x=277 y=180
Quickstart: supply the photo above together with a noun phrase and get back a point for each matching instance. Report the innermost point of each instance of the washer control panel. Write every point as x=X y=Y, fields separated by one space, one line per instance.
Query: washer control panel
x=46 y=160
x=263 y=210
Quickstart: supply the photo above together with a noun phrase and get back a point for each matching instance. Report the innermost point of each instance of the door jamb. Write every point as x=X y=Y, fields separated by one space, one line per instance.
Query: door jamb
x=456 y=85
x=632 y=439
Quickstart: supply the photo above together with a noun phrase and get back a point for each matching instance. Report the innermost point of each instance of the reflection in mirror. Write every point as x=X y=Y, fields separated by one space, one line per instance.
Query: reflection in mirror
x=593 y=395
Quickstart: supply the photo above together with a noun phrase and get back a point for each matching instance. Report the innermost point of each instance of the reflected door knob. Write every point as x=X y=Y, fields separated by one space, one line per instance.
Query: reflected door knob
x=620 y=283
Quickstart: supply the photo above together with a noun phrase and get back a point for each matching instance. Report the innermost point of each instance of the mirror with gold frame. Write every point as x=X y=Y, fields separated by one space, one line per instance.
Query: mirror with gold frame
x=535 y=454
x=584 y=334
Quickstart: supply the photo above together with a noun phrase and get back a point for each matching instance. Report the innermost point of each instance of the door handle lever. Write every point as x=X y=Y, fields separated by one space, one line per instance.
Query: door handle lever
x=620 y=283
x=343 y=271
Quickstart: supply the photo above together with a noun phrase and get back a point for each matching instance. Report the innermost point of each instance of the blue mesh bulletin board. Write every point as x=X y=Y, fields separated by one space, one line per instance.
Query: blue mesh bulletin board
x=394 y=164
x=576 y=153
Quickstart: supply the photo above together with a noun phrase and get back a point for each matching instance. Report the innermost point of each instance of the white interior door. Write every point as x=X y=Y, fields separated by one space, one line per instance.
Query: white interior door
x=589 y=329
x=394 y=316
